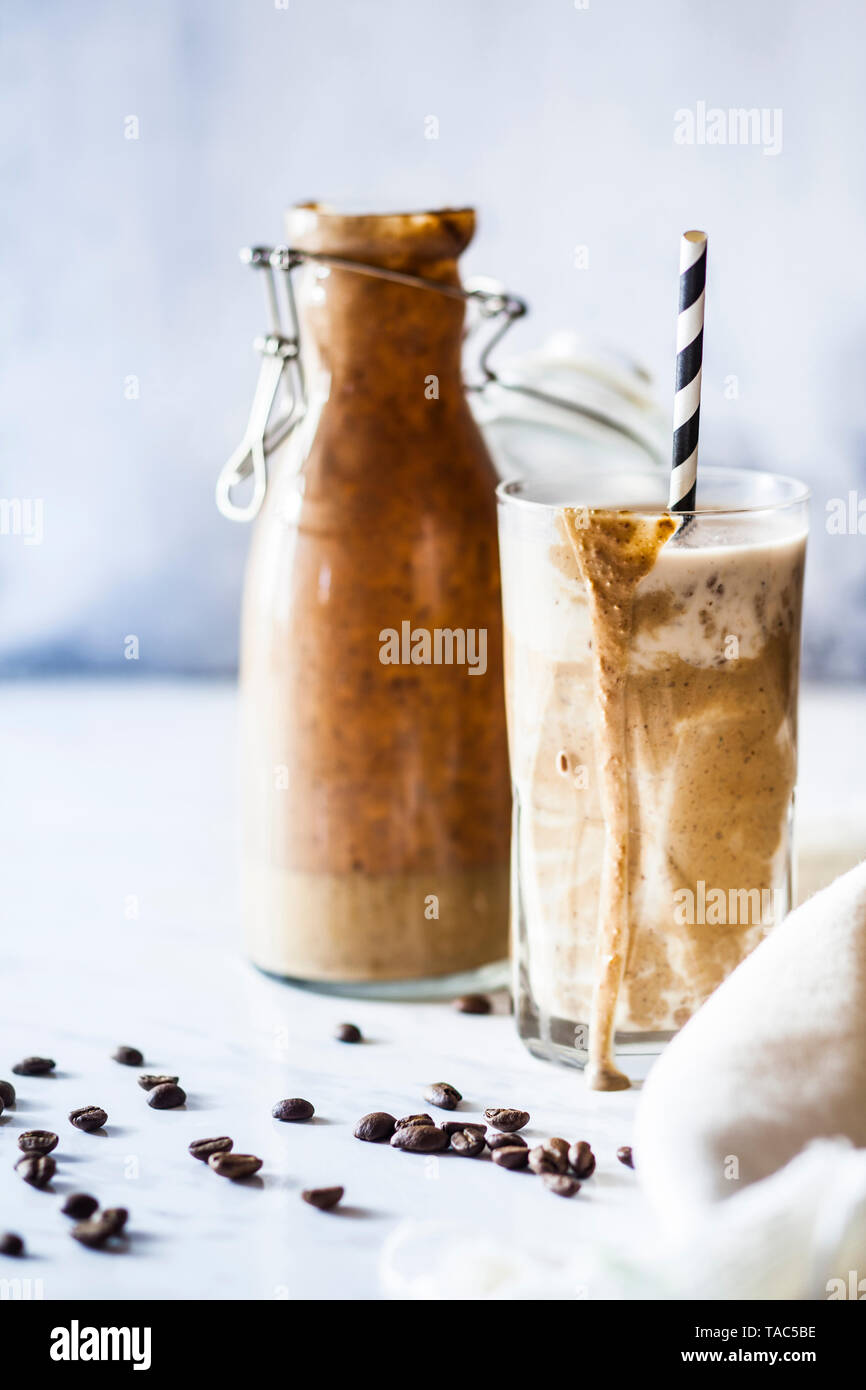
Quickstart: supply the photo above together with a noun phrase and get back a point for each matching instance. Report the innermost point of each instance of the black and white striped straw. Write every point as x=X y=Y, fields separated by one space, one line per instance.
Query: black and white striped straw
x=690 y=351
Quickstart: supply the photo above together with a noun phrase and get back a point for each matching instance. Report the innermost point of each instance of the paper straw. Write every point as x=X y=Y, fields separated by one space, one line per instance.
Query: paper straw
x=690 y=351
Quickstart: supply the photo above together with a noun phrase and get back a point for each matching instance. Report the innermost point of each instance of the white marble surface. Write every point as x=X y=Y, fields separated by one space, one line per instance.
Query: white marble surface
x=120 y=926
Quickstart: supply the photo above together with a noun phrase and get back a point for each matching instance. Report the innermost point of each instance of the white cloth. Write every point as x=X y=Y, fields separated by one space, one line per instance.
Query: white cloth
x=775 y=1059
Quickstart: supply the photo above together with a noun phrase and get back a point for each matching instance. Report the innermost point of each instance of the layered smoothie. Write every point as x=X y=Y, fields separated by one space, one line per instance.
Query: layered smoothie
x=651 y=673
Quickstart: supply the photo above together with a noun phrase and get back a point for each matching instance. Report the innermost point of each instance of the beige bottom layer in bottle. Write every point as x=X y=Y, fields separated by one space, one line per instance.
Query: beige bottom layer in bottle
x=449 y=922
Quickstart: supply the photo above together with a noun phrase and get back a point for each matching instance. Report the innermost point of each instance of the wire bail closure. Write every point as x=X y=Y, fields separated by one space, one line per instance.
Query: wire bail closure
x=281 y=375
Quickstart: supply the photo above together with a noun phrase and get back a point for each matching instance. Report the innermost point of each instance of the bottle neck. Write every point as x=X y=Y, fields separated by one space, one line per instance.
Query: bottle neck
x=365 y=327
x=358 y=324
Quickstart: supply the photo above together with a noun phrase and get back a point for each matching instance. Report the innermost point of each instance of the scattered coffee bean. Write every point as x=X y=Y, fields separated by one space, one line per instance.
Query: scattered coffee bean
x=414 y=1120
x=80 y=1205
x=148 y=1082
x=234 y=1166
x=294 y=1109
x=88 y=1118
x=506 y=1141
x=10 y=1244
x=512 y=1156
x=507 y=1120
x=203 y=1148
x=128 y=1056
x=442 y=1095
x=561 y=1184
x=467 y=1144
x=2 y=1107
x=37 y=1141
x=420 y=1139
x=167 y=1096
x=323 y=1197
x=625 y=1155
x=546 y=1160
x=7 y=1094
x=582 y=1158
x=456 y=1126
x=559 y=1147
x=37 y=1169
x=473 y=1004
x=99 y=1229
x=375 y=1126
x=348 y=1033
x=115 y=1218
x=551 y=1156
x=34 y=1066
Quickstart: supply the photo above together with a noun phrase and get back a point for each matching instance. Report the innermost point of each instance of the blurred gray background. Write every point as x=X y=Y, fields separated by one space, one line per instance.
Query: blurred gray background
x=556 y=120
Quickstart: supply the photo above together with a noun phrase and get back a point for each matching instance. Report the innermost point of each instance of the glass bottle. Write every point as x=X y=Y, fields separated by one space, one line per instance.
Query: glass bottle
x=376 y=794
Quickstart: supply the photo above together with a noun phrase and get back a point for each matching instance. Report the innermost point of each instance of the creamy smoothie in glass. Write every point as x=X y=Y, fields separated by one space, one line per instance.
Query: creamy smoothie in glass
x=651 y=685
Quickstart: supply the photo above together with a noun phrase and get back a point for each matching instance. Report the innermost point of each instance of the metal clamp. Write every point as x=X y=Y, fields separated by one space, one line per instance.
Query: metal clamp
x=281 y=375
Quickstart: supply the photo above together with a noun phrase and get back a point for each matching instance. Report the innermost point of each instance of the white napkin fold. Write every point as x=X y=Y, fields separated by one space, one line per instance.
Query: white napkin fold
x=774 y=1059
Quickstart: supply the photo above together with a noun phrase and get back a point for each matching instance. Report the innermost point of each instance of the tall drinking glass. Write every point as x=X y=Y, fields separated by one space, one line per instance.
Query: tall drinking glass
x=651 y=684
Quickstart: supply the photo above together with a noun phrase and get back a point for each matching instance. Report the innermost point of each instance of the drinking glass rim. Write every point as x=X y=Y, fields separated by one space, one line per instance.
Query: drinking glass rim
x=801 y=493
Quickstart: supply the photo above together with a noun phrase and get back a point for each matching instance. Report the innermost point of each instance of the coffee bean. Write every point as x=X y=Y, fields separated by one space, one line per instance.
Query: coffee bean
x=467 y=1144
x=443 y=1095
x=323 y=1197
x=115 y=1218
x=473 y=1004
x=549 y=1157
x=420 y=1139
x=88 y=1118
x=148 y=1082
x=543 y=1160
x=128 y=1056
x=294 y=1109
x=375 y=1126
x=34 y=1066
x=37 y=1141
x=99 y=1229
x=10 y=1244
x=414 y=1120
x=80 y=1205
x=512 y=1156
x=203 y=1148
x=348 y=1033
x=506 y=1141
x=507 y=1120
x=457 y=1126
x=561 y=1185
x=37 y=1169
x=626 y=1156
x=7 y=1094
x=166 y=1096
x=234 y=1166
x=582 y=1158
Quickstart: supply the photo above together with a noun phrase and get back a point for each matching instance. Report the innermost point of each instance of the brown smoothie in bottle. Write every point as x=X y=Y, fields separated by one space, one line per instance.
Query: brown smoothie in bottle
x=376 y=789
